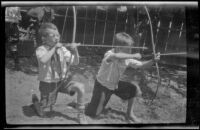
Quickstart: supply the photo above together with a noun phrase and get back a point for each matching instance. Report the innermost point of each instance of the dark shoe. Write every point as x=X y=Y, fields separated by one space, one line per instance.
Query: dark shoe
x=37 y=106
x=34 y=98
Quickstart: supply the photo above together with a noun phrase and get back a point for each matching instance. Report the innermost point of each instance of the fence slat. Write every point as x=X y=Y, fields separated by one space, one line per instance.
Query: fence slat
x=126 y=21
x=64 y=24
x=169 y=30
x=85 y=28
x=157 y=30
x=115 y=28
x=181 y=30
x=104 y=31
x=94 y=26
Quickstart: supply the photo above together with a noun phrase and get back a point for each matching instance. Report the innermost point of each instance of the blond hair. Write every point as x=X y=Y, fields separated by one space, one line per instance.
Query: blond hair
x=43 y=31
x=123 y=39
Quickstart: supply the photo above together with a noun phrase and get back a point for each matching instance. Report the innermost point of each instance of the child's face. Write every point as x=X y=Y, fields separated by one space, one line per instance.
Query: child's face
x=53 y=37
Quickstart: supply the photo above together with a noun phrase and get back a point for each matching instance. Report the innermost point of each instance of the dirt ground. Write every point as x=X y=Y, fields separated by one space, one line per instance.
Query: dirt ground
x=168 y=107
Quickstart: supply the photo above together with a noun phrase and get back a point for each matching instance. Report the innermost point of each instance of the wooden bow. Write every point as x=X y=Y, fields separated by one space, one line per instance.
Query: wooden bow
x=154 y=53
x=73 y=40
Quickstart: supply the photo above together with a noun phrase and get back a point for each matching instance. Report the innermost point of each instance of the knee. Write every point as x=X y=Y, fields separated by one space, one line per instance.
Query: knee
x=79 y=88
x=138 y=90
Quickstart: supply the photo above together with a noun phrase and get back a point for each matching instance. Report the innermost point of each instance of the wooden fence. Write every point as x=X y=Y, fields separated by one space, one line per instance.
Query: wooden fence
x=98 y=27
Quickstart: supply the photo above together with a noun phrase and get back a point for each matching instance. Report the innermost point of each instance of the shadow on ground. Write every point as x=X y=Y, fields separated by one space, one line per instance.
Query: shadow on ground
x=29 y=111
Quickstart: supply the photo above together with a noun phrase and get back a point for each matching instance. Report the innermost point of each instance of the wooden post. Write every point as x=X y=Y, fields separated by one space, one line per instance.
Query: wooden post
x=104 y=31
x=145 y=37
x=169 y=30
x=115 y=28
x=181 y=30
x=85 y=27
x=94 y=26
x=64 y=24
x=180 y=33
x=126 y=21
x=158 y=28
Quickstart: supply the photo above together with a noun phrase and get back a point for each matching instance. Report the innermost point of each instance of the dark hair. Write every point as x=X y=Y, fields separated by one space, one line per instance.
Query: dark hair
x=123 y=39
x=43 y=29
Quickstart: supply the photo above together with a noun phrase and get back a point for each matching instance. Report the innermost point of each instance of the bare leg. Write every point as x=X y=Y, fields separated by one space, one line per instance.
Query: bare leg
x=130 y=114
x=139 y=92
x=79 y=89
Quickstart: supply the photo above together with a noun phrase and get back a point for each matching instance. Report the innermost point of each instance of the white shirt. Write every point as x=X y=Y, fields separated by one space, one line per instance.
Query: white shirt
x=45 y=70
x=110 y=72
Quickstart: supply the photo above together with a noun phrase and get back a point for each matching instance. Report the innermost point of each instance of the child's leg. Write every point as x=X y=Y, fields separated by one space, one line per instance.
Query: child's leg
x=138 y=90
x=127 y=91
x=130 y=113
x=100 y=98
x=47 y=97
x=80 y=90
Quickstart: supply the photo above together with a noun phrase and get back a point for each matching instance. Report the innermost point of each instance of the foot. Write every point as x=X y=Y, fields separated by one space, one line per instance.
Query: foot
x=82 y=119
x=37 y=105
x=132 y=118
x=38 y=109
x=34 y=98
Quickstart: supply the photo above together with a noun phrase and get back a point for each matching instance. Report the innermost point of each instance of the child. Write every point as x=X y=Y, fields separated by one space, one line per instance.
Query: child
x=52 y=58
x=108 y=81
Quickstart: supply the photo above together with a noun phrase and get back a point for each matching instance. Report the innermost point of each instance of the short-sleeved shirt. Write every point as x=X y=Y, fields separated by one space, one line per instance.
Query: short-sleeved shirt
x=111 y=72
x=45 y=69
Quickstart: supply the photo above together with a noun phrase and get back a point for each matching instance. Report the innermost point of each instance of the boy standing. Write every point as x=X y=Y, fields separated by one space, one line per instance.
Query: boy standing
x=108 y=80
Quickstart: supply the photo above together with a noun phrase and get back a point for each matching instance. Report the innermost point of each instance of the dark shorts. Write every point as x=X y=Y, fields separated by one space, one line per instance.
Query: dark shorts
x=49 y=92
x=101 y=96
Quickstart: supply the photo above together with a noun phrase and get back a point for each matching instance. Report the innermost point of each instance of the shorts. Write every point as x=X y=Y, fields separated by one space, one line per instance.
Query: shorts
x=102 y=94
x=49 y=92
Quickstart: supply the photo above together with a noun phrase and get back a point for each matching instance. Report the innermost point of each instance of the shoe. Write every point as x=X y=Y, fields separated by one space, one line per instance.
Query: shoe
x=81 y=116
x=34 y=98
x=82 y=119
x=37 y=106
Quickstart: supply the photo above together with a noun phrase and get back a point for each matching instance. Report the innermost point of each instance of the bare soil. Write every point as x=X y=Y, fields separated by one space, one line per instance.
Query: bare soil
x=168 y=107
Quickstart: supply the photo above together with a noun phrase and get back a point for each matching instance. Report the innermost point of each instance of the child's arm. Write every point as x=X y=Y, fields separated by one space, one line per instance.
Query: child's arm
x=75 y=53
x=123 y=56
x=147 y=64
x=142 y=64
x=46 y=57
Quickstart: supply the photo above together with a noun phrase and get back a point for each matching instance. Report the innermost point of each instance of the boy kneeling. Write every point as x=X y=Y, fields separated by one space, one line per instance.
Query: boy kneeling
x=108 y=81
x=52 y=60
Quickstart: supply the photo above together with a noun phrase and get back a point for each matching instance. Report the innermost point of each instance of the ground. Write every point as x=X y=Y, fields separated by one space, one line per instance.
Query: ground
x=168 y=107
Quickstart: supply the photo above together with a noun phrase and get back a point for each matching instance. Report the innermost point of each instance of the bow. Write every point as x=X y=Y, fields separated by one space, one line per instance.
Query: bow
x=73 y=40
x=154 y=53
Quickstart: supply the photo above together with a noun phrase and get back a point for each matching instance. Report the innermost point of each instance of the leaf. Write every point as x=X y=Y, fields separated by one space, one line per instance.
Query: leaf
x=37 y=12
x=45 y=14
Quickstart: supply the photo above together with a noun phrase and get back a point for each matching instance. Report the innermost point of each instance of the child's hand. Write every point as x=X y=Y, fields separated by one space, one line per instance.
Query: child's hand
x=74 y=45
x=58 y=45
x=157 y=58
x=138 y=55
